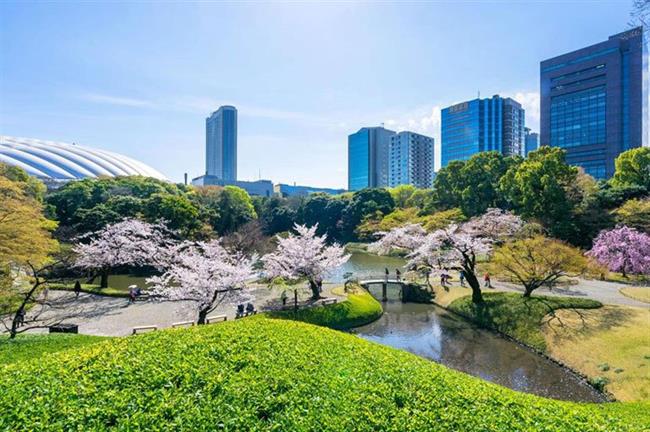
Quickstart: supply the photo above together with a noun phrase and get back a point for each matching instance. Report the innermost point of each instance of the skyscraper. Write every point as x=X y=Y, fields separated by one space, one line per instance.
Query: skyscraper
x=368 y=158
x=482 y=125
x=594 y=101
x=531 y=140
x=410 y=160
x=221 y=144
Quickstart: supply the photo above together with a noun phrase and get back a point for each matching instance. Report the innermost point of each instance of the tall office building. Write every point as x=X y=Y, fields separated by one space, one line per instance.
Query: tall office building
x=368 y=158
x=531 y=141
x=595 y=101
x=221 y=144
x=410 y=160
x=482 y=125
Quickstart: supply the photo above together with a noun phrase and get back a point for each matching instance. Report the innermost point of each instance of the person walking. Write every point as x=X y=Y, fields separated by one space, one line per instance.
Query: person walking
x=398 y=275
x=77 y=288
x=461 y=276
x=386 y=273
x=283 y=297
x=487 y=281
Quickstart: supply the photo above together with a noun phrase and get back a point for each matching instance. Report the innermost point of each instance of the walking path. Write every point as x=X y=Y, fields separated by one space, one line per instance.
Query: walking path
x=602 y=291
x=111 y=316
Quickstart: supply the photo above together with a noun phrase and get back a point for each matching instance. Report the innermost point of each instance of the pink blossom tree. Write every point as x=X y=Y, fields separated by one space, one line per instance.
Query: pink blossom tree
x=129 y=242
x=206 y=274
x=623 y=249
x=454 y=246
x=304 y=256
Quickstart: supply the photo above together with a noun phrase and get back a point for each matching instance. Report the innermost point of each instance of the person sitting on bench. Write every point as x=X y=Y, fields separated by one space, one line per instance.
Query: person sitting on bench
x=250 y=309
x=240 y=310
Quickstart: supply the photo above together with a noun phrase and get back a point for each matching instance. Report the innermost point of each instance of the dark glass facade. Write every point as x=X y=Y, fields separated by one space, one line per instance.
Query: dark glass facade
x=221 y=144
x=594 y=102
x=368 y=158
x=482 y=125
x=531 y=141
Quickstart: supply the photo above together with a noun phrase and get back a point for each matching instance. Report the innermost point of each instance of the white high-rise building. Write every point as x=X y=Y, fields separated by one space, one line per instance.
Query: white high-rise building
x=411 y=160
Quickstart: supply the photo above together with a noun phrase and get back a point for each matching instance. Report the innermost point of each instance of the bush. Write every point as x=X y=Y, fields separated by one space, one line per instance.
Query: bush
x=30 y=346
x=265 y=374
x=359 y=309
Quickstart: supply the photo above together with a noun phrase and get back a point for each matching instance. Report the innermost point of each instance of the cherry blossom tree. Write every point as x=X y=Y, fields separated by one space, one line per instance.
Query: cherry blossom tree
x=304 y=256
x=129 y=242
x=458 y=245
x=623 y=249
x=207 y=274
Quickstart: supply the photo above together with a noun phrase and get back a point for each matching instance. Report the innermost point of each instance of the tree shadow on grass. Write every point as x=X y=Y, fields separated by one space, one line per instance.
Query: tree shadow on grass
x=607 y=319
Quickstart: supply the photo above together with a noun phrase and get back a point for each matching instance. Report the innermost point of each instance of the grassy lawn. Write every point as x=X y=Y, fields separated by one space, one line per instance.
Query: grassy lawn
x=612 y=343
x=444 y=297
x=637 y=293
x=359 y=309
x=92 y=289
x=27 y=346
x=515 y=315
x=268 y=374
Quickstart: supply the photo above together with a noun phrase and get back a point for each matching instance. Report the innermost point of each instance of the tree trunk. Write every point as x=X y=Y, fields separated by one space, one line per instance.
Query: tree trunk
x=203 y=314
x=104 y=280
x=315 y=287
x=472 y=281
x=528 y=291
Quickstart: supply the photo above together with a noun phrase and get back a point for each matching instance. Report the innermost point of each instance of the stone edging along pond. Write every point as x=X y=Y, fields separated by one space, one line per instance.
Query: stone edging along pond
x=609 y=397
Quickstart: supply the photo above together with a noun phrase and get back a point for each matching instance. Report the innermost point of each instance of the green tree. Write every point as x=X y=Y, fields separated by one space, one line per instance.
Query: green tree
x=371 y=202
x=635 y=214
x=534 y=262
x=538 y=188
x=177 y=210
x=447 y=188
x=402 y=195
x=633 y=168
x=235 y=209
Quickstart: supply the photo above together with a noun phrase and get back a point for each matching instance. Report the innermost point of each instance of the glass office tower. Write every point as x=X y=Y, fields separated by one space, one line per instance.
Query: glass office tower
x=482 y=125
x=221 y=144
x=410 y=160
x=531 y=141
x=594 y=101
x=368 y=158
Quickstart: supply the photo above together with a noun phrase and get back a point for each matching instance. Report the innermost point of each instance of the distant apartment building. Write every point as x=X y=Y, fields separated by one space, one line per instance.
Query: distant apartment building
x=480 y=125
x=594 y=101
x=531 y=141
x=410 y=160
x=221 y=144
x=286 y=190
x=368 y=158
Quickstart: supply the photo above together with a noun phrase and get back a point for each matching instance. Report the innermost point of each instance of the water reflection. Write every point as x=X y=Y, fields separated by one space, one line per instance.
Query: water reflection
x=433 y=333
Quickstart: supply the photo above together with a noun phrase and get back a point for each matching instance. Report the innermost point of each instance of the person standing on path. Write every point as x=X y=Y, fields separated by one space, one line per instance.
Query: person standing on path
x=387 y=273
x=77 y=289
x=284 y=297
x=398 y=275
x=486 y=279
x=461 y=276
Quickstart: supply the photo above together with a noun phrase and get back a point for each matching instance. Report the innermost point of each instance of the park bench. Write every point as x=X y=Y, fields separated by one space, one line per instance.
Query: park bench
x=327 y=301
x=215 y=319
x=245 y=314
x=142 y=297
x=144 y=329
x=183 y=324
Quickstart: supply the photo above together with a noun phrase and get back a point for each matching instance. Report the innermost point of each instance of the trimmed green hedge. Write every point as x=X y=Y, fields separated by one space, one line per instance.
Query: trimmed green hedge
x=515 y=315
x=29 y=346
x=265 y=374
x=359 y=309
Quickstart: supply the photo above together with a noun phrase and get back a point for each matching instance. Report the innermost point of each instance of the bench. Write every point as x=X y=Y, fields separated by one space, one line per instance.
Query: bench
x=142 y=297
x=216 y=318
x=183 y=324
x=144 y=329
x=245 y=314
x=330 y=300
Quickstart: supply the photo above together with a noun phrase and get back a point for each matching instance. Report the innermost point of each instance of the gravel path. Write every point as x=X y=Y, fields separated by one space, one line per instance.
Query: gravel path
x=111 y=316
x=604 y=292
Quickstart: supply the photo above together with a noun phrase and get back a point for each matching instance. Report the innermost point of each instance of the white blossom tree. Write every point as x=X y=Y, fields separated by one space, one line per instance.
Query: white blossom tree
x=206 y=274
x=129 y=242
x=304 y=256
x=454 y=246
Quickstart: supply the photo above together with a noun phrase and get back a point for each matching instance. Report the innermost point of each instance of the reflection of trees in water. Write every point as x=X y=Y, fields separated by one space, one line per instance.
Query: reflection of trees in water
x=433 y=333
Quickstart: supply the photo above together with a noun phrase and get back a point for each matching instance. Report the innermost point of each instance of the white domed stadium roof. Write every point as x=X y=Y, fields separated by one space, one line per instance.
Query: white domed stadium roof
x=52 y=160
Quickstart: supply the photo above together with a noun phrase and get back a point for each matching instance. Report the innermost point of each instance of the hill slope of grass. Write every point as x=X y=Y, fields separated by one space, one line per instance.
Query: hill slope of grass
x=269 y=374
x=359 y=309
x=30 y=346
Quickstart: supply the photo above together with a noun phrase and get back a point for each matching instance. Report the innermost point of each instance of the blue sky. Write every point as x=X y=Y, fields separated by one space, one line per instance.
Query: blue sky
x=140 y=78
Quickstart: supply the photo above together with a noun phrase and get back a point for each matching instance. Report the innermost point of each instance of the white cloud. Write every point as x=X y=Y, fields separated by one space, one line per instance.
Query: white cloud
x=117 y=100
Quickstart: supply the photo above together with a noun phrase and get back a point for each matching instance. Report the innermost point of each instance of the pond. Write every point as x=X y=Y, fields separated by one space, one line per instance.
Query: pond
x=433 y=333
